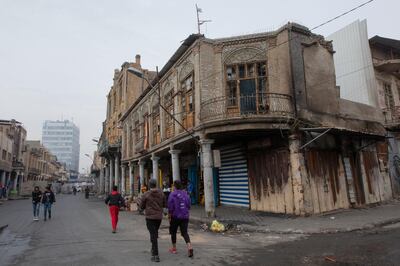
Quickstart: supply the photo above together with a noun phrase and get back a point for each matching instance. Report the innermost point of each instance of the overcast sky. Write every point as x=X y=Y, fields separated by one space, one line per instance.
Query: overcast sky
x=57 y=57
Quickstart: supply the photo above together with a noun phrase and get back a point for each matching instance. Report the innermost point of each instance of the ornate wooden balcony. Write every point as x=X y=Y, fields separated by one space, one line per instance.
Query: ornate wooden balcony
x=268 y=105
x=392 y=116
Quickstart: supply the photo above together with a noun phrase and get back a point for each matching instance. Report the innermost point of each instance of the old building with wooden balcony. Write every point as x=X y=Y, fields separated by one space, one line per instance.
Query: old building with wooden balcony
x=386 y=61
x=125 y=90
x=41 y=164
x=256 y=121
x=12 y=141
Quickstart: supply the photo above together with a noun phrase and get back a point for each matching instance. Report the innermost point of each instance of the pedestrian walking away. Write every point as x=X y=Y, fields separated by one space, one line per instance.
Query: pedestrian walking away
x=36 y=198
x=74 y=190
x=166 y=190
x=178 y=209
x=48 y=199
x=152 y=203
x=114 y=201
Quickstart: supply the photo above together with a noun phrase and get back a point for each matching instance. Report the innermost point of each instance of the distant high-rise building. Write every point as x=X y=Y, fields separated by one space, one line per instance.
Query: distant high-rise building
x=62 y=139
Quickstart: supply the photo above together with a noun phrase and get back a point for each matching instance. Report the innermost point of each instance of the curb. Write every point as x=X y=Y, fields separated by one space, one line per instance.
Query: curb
x=259 y=229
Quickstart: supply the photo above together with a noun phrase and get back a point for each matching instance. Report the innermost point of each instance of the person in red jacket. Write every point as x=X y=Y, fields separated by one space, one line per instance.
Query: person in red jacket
x=114 y=202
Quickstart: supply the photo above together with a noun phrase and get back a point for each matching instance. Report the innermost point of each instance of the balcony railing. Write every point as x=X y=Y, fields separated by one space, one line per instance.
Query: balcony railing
x=392 y=116
x=273 y=105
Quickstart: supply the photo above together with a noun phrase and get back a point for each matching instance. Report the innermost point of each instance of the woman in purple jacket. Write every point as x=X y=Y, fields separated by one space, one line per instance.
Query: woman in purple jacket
x=178 y=208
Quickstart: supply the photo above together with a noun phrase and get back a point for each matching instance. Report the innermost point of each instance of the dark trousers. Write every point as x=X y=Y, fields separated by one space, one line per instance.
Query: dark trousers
x=153 y=226
x=47 y=208
x=182 y=224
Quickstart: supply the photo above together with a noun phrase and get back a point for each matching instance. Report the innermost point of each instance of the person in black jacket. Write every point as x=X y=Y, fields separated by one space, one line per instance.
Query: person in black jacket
x=48 y=199
x=36 y=198
x=114 y=202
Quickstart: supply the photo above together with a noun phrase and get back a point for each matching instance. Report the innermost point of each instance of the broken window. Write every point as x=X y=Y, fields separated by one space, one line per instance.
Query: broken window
x=248 y=89
x=389 y=100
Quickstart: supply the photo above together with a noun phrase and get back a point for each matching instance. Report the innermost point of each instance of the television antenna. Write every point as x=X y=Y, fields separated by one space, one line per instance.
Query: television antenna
x=200 y=21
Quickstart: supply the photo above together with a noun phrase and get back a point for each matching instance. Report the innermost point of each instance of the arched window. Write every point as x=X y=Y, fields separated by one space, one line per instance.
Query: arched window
x=246 y=86
x=187 y=101
x=155 y=113
x=169 y=106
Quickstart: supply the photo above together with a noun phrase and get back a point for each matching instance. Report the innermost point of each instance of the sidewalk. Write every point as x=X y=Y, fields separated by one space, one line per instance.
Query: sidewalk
x=334 y=222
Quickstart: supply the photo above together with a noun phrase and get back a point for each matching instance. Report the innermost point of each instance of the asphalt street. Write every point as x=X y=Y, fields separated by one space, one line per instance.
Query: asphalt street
x=80 y=234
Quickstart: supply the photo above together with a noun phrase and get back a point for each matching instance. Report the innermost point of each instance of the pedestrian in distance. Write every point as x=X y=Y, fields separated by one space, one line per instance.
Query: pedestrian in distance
x=74 y=190
x=114 y=201
x=166 y=190
x=87 y=190
x=48 y=199
x=178 y=209
x=152 y=203
x=1 y=190
x=36 y=198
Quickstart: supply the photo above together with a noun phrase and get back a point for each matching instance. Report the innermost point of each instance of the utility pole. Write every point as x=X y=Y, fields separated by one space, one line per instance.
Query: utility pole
x=200 y=22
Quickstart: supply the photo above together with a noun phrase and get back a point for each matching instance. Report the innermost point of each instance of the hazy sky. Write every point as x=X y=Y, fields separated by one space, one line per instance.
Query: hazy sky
x=57 y=57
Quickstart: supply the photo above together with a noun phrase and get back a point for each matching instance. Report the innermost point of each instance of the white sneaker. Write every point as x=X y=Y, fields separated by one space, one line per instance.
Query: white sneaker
x=36 y=218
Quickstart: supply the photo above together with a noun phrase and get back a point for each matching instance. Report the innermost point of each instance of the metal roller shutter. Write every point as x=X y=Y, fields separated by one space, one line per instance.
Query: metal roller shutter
x=233 y=178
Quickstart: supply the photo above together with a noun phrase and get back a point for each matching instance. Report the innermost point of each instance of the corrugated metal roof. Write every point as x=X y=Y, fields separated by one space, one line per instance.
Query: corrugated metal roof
x=387 y=42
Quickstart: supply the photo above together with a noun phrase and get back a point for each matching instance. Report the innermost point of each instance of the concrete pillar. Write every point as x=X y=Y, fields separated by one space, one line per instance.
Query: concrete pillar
x=141 y=173
x=117 y=174
x=111 y=176
x=131 y=178
x=176 y=175
x=123 y=189
x=298 y=173
x=208 y=176
x=154 y=160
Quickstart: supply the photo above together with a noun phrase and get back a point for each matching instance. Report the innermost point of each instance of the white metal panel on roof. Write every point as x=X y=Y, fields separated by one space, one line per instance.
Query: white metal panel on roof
x=353 y=64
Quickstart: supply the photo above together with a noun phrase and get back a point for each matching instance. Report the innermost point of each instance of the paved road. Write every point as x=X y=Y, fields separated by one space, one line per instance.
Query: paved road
x=80 y=234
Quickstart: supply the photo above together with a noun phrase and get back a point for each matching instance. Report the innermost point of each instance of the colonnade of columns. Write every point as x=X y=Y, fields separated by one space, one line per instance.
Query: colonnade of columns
x=113 y=172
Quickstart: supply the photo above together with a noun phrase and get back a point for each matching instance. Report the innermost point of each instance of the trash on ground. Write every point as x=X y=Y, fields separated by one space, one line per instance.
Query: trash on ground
x=204 y=227
x=217 y=227
x=330 y=258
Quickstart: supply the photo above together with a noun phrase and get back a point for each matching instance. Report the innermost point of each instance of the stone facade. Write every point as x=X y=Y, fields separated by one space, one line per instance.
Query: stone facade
x=386 y=60
x=12 y=141
x=126 y=89
x=264 y=109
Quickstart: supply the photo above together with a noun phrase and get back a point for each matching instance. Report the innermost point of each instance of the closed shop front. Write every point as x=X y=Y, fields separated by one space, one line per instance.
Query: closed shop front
x=233 y=178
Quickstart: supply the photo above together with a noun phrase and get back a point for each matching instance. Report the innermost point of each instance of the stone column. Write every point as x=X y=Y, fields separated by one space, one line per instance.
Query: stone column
x=111 y=176
x=131 y=178
x=15 y=181
x=123 y=167
x=116 y=169
x=298 y=174
x=154 y=160
x=141 y=173
x=107 y=178
x=208 y=176
x=3 y=178
x=175 y=164
x=101 y=181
